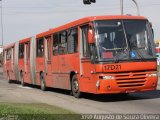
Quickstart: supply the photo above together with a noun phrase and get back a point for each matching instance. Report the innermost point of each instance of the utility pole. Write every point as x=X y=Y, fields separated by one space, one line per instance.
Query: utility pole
x=138 y=11
x=1 y=21
x=121 y=7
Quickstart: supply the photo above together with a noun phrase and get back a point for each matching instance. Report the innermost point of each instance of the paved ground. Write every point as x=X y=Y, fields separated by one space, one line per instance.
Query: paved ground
x=1 y=70
x=148 y=102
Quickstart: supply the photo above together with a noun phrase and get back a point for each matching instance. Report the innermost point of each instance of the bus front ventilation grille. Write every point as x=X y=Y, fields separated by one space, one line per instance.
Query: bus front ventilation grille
x=131 y=79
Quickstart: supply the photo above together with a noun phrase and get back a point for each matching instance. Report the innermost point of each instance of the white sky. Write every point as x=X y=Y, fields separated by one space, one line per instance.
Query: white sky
x=25 y=18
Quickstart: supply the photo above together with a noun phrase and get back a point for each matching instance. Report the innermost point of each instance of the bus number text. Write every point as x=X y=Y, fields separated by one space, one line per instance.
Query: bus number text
x=112 y=67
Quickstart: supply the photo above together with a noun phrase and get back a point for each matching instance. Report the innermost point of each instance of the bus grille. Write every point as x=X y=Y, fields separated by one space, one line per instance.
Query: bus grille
x=131 y=79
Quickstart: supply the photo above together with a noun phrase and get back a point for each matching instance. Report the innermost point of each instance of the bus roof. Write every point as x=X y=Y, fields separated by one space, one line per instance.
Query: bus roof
x=85 y=20
x=25 y=40
x=8 y=46
x=12 y=44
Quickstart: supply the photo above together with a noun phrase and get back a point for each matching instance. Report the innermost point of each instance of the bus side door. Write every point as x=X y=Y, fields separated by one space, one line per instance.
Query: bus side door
x=40 y=59
x=86 y=67
x=48 y=62
x=55 y=60
x=27 y=62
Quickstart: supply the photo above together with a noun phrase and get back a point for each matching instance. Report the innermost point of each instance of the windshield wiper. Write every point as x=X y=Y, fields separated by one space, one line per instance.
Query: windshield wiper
x=138 y=52
x=122 y=51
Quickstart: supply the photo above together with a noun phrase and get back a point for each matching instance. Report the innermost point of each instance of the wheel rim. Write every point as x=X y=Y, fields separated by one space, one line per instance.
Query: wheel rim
x=42 y=82
x=8 y=78
x=22 y=79
x=22 y=82
x=75 y=86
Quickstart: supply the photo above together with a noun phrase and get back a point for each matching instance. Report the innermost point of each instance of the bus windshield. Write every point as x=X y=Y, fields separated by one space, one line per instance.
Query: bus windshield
x=121 y=40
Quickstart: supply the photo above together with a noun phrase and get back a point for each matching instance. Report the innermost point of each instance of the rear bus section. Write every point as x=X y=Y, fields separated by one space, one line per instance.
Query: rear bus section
x=9 y=66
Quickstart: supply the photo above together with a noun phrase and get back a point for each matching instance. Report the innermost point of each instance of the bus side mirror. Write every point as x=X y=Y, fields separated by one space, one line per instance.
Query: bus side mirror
x=90 y=36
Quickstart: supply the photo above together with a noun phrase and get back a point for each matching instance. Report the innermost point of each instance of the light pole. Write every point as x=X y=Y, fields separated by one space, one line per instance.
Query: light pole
x=138 y=11
x=1 y=21
x=121 y=7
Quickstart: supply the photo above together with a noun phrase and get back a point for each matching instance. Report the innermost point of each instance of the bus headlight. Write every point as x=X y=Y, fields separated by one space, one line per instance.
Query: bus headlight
x=97 y=83
x=152 y=75
x=108 y=77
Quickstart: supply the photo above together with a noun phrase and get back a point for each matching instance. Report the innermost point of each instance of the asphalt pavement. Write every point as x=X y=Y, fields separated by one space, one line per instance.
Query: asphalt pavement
x=134 y=103
x=1 y=71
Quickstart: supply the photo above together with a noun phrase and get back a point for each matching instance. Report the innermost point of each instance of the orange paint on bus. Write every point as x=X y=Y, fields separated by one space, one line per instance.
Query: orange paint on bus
x=60 y=70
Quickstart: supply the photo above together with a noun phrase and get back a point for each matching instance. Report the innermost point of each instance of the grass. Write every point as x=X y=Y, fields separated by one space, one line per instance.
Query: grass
x=35 y=112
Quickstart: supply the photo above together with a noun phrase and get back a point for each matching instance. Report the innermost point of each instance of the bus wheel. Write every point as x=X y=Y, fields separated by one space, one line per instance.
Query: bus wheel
x=22 y=79
x=8 y=78
x=75 y=87
x=43 y=84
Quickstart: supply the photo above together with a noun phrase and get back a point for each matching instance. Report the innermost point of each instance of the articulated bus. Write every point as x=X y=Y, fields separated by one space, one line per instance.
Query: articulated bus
x=98 y=54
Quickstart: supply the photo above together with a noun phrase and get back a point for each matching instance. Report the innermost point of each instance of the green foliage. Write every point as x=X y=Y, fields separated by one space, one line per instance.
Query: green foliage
x=35 y=112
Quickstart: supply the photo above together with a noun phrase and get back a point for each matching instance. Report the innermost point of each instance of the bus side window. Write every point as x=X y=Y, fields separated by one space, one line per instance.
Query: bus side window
x=63 y=42
x=4 y=56
x=8 y=54
x=21 y=51
x=27 y=51
x=12 y=54
x=73 y=40
x=48 y=39
x=40 y=47
x=85 y=41
x=55 y=43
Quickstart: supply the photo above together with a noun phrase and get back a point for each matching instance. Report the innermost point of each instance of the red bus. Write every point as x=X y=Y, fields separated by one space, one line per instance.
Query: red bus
x=99 y=55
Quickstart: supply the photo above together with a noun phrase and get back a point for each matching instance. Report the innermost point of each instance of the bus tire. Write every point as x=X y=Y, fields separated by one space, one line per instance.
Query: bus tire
x=75 y=87
x=8 y=78
x=42 y=80
x=124 y=94
x=22 y=79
